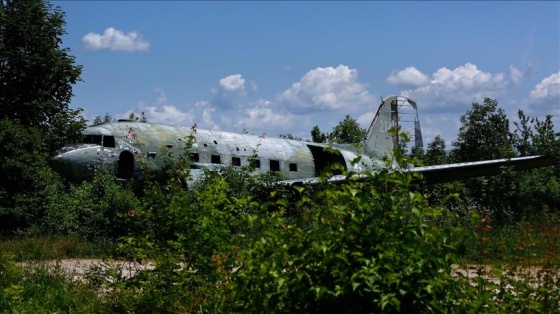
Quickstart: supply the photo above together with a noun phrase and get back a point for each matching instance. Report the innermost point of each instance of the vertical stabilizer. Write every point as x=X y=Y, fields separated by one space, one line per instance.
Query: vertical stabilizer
x=394 y=113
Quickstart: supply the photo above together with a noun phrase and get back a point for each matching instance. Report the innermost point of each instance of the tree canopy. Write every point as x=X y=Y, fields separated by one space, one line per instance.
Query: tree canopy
x=36 y=73
x=347 y=131
x=484 y=134
x=36 y=78
x=290 y=136
x=435 y=153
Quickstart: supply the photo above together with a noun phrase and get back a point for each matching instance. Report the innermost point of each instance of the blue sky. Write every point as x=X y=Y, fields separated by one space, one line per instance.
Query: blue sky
x=284 y=67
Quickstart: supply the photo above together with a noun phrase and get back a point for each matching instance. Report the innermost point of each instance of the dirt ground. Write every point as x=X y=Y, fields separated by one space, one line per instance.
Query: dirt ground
x=77 y=268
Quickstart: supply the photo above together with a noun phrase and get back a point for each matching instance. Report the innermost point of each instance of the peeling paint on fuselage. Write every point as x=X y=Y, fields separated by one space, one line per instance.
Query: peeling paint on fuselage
x=130 y=148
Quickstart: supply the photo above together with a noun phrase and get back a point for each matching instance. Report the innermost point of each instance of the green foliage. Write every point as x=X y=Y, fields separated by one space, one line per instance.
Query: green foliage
x=347 y=131
x=98 y=210
x=37 y=74
x=362 y=250
x=106 y=119
x=236 y=243
x=35 y=120
x=535 y=137
x=27 y=181
x=317 y=136
x=527 y=243
x=484 y=134
x=189 y=235
x=435 y=154
x=38 y=288
x=137 y=118
x=51 y=248
x=290 y=136
x=510 y=196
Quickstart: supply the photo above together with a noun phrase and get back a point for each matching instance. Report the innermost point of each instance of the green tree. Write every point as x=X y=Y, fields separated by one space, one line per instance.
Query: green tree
x=484 y=134
x=317 y=136
x=435 y=154
x=27 y=181
x=290 y=136
x=347 y=131
x=106 y=119
x=36 y=74
x=36 y=78
x=539 y=189
x=535 y=137
x=138 y=118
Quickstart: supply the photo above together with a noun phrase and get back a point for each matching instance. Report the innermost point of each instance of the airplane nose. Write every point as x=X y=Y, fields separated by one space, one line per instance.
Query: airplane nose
x=61 y=164
x=71 y=165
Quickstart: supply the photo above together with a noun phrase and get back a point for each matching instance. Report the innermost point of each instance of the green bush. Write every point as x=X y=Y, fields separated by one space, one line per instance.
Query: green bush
x=366 y=250
x=98 y=210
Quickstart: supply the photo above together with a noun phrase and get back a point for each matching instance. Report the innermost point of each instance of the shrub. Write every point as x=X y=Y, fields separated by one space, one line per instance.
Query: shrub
x=366 y=250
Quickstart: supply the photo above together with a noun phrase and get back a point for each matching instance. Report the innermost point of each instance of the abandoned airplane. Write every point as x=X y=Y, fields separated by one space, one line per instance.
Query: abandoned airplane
x=132 y=148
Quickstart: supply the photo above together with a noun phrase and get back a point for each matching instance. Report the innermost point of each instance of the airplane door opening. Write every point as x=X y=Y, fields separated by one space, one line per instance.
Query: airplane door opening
x=125 y=165
x=322 y=159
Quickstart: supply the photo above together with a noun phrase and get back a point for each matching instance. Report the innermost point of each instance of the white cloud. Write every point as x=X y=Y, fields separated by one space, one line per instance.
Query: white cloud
x=462 y=85
x=515 y=75
x=365 y=119
x=445 y=125
x=261 y=116
x=116 y=40
x=410 y=77
x=544 y=99
x=231 y=92
x=326 y=89
x=159 y=111
x=205 y=110
x=233 y=83
x=548 y=90
x=167 y=114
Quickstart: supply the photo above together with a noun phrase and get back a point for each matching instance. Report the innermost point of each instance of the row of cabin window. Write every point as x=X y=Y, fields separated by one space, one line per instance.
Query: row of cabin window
x=109 y=141
x=236 y=162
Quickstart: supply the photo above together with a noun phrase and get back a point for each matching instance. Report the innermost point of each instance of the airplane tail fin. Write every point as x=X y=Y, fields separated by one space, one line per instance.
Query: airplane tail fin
x=395 y=114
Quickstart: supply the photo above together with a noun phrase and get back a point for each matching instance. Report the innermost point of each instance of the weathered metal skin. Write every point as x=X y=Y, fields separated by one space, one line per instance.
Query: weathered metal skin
x=133 y=148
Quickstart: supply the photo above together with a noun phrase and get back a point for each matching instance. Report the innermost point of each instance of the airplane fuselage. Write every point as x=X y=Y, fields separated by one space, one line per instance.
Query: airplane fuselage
x=133 y=148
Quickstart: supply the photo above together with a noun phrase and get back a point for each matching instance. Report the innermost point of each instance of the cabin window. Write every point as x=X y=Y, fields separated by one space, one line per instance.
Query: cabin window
x=108 y=141
x=92 y=139
x=235 y=161
x=194 y=157
x=274 y=165
x=216 y=159
x=293 y=166
x=255 y=163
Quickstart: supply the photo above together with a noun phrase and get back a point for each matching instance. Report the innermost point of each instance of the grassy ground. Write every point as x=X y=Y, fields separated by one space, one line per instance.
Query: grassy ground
x=520 y=262
x=523 y=244
x=52 y=248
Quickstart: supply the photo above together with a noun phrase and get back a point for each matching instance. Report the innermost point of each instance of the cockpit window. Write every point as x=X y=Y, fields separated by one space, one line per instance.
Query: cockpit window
x=93 y=139
x=107 y=140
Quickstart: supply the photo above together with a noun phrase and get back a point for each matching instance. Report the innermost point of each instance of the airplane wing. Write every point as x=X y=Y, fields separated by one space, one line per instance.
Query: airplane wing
x=467 y=170
x=456 y=171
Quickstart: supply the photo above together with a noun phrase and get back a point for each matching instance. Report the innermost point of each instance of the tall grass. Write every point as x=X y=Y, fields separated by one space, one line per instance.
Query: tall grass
x=52 y=248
